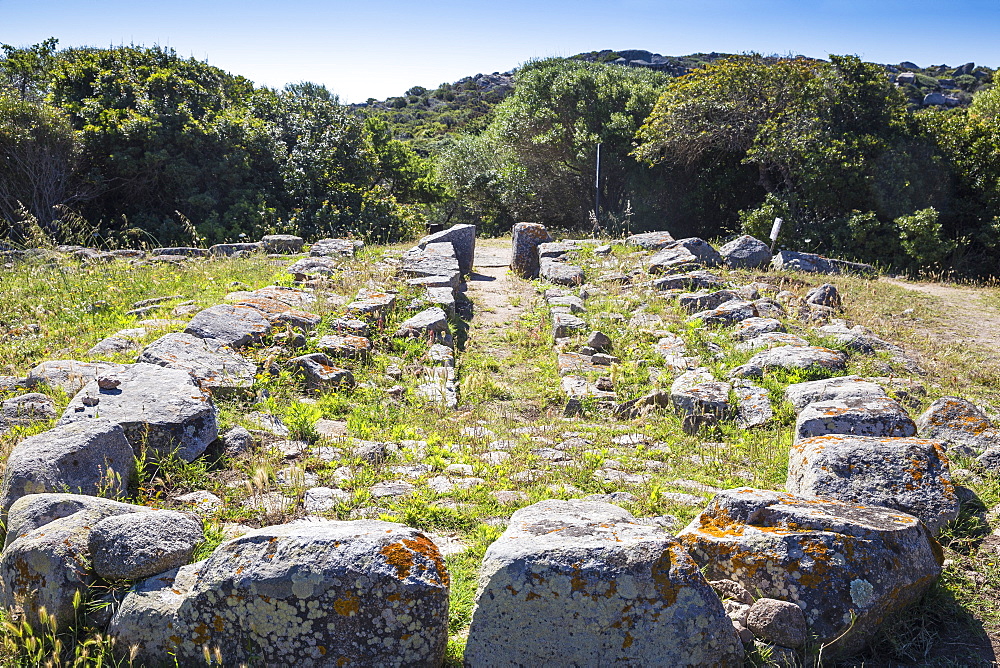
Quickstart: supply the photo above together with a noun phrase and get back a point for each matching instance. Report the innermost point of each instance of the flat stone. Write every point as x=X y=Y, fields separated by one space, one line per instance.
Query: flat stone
x=696 y=392
x=728 y=313
x=565 y=324
x=349 y=346
x=163 y=410
x=122 y=341
x=293 y=297
x=568 y=569
x=910 y=475
x=234 y=326
x=319 y=372
x=560 y=273
x=229 y=250
x=801 y=395
x=694 y=302
x=859 y=416
x=753 y=408
x=345 y=248
x=216 y=368
x=432 y=320
x=792 y=357
x=278 y=313
x=70 y=375
x=684 y=255
x=372 y=303
x=463 y=240
x=698 y=280
x=846 y=565
x=771 y=340
x=650 y=240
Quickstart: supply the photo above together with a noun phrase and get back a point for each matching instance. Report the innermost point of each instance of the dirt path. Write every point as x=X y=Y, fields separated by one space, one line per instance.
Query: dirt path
x=959 y=314
x=499 y=297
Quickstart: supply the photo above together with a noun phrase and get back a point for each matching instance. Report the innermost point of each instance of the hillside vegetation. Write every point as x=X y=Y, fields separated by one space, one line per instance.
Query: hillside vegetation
x=893 y=164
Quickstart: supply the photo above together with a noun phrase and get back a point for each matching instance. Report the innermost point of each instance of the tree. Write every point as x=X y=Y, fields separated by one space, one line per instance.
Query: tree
x=25 y=70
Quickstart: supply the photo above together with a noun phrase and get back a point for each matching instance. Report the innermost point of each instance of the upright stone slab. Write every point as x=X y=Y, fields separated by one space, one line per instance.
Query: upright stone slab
x=910 y=475
x=282 y=243
x=235 y=326
x=317 y=593
x=216 y=368
x=92 y=457
x=580 y=583
x=849 y=567
x=160 y=409
x=525 y=241
x=463 y=238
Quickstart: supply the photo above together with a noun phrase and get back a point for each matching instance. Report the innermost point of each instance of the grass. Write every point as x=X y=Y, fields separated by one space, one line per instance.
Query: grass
x=510 y=386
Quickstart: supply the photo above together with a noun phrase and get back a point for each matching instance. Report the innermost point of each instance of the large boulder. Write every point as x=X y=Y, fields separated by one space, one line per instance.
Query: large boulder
x=684 y=255
x=525 y=241
x=746 y=252
x=217 y=368
x=560 y=273
x=70 y=375
x=696 y=392
x=161 y=410
x=848 y=566
x=335 y=248
x=282 y=243
x=93 y=457
x=317 y=593
x=810 y=358
x=860 y=416
x=234 y=326
x=958 y=422
x=580 y=583
x=139 y=545
x=801 y=395
x=908 y=474
x=462 y=238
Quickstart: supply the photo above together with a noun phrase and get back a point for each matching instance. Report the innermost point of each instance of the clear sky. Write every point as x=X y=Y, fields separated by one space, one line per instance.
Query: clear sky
x=379 y=49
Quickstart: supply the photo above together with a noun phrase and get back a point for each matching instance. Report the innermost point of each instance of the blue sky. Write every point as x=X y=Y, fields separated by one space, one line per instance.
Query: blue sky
x=377 y=49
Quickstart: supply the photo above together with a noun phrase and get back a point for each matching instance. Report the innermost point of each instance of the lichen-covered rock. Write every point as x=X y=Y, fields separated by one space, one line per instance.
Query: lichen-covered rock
x=811 y=358
x=801 y=395
x=693 y=280
x=856 y=338
x=728 y=313
x=580 y=583
x=696 y=392
x=753 y=407
x=574 y=304
x=229 y=250
x=817 y=264
x=93 y=457
x=746 y=252
x=462 y=238
x=650 y=240
x=36 y=510
x=525 y=241
x=216 y=368
x=908 y=474
x=234 y=326
x=565 y=324
x=279 y=313
x=859 y=416
x=429 y=321
x=27 y=408
x=70 y=375
x=778 y=622
x=753 y=327
x=335 y=248
x=849 y=567
x=162 y=410
x=772 y=340
x=319 y=372
x=372 y=303
x=683 y=255
x=315 y=593
x=303 y=268
x=348 y=345
x=138 y=545
x=958 y=422
x=294 y=297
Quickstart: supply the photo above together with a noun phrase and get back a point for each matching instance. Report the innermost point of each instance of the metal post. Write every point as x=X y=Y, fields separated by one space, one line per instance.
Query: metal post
x=597 y=186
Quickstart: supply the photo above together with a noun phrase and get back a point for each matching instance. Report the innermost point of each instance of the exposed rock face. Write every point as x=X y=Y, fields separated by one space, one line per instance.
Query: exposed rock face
x=318 y=593
x=91 y=457
x=683 y=255
x=320 y=373
x=313 y=266
x=860 y=416
x=650 y=240
x=462 y=238
x=234 y=326
x=215 y=367
x=138 y=545
x=70 y=375
x=161 y=409
x=908 y=474
x=848 y=567
x=625 y=593
x=958 y=422
x=525 y=241
x=746 y=252
x=36 y=510
x=801 y=395
x=282 y=243
x=791 y=357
